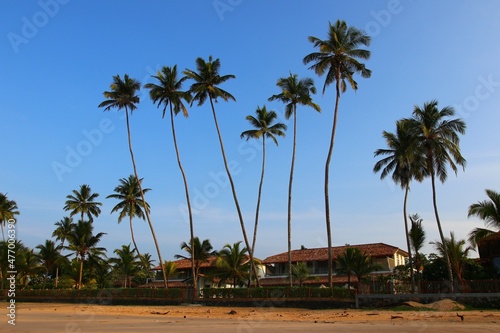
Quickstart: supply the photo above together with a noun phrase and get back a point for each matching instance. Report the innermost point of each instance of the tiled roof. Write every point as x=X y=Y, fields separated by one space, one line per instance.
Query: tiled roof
x=321 y=254
x=186 y=263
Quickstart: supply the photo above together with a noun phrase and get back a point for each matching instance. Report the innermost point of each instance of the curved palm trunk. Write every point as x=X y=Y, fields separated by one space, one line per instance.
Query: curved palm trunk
x=290 y=182
x=144 y=200
x=233 y=189
x=327 y=175
x=188 y=201
x=133 y=238
x=257 y=209
x=441 y=235
x=412 y=277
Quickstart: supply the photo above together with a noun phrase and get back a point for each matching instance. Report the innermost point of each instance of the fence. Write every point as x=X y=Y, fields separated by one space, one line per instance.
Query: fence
x=429 y=287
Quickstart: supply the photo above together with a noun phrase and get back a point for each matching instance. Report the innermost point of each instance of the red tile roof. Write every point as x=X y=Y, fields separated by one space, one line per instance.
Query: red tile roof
x=321 y=254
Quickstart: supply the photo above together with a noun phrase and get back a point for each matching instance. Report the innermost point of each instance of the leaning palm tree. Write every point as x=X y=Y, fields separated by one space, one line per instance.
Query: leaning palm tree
x=403 y=160
x=206 y=86
x=489 y=212
x=83 y=201
x=123 y=95
x=131 y=203
x=437 y=138
x=338 y=58
x=456 y=251
x=82 y=241
x=8 y=210
x=168 y=93
x=264 y=127
x=294 y=91
x=62 y=231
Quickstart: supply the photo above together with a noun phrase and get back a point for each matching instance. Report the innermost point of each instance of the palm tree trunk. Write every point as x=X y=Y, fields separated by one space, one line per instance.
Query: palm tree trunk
x=57 y=268
x=290 y=182
x=188 y=201
x=257 y=209
x=133 y=238
x=233 y=189
x=81 y=274
x=441 y=235
x=1 y=227
x=144 y=200
x=327 y=175
x=412 y=277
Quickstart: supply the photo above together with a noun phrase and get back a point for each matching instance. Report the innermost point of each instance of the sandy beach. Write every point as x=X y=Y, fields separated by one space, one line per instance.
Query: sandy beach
x=55 y=317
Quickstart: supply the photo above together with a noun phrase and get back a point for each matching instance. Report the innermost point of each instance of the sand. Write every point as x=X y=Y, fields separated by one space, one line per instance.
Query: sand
x=55 y=317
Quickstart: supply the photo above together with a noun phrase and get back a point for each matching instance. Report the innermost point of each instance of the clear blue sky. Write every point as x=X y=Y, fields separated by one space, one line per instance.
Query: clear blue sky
x=58 y=56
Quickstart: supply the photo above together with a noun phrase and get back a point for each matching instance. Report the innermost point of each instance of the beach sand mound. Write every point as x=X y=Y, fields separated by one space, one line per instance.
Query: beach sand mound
x=441 y=305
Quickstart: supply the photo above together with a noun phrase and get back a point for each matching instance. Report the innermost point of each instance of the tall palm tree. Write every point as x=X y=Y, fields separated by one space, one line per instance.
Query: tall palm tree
x=294 y=91
x=82 y=241
x=126 y=263
x=8 y=210
x=131 y=203
x=123 y=95
x=489 y=212
x=62 y=231
x=403 y=160
x=169 y=94
x=49 y=256
x=437 y=138
x=338 y=58
x=201 y=252
x=232 y=264
x=83 y=202
x=264 y=127
x=417 y=239
x=206 y=86
x=456 y=251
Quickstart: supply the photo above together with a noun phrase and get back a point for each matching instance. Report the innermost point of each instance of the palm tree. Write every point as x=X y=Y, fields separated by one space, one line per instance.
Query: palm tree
x=263 y=127
x=232 y=264
x=302 y=273
x=8 y=209
x=201 y=252
x=123 y=95
x=62 y=231
x=50 y=257
x=403 y=160
x=293 y=92
x=126 y=263
x=346 y=262
x=456 y=252
x=131 y=203
x=82 y=241
x=417 y=239
x=489 y=212
x=170 y=269
x=437 y=138
x=82 y=202
x=338 y=58
x=206 y=86
x=168 y=92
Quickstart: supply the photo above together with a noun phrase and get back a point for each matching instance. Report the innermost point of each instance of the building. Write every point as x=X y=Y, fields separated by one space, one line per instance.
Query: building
x=387 y=257
x=489 y=250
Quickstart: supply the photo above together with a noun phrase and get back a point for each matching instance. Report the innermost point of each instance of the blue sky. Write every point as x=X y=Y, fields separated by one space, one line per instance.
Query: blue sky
x=58 y=56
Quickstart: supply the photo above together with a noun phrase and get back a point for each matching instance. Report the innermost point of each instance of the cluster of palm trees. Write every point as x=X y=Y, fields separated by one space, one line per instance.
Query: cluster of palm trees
x=423 y=146
x=337 y=57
